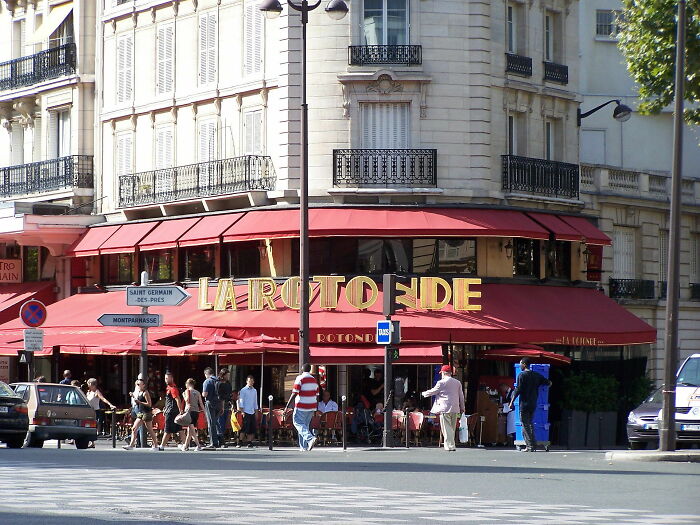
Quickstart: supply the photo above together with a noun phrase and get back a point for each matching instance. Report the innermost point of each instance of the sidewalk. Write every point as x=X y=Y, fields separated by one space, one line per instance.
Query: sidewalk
x=685 y=456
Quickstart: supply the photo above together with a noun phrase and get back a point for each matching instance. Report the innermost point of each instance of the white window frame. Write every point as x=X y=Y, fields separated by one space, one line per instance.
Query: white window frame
x=511 y=29
x=125 y=68
x=624 y=252
x=165 y=58
x=385 y=125
x=207 y=128
x=123 y=154
x=164 y=151
x=207 y=47
x=613 y=23
x=253 y=132
x=549 y=36
x=59 y=133
x=385 y=25
x=550 y=143
x=253 y=39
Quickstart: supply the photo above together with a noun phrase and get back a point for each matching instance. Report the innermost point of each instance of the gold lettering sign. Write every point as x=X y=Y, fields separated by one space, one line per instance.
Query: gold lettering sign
x=328 y=290
x=225 y=296
x=202 y=299
x=261 y=293
x=429 y=289
x=410 y=293
x=355 y=292
x=461 y=294
x=290 y=293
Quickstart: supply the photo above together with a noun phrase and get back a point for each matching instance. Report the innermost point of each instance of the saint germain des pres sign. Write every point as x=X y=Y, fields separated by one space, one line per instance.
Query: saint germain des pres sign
x=361 y=292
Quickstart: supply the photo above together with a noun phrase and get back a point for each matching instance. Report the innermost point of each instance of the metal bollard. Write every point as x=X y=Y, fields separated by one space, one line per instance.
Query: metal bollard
x=114 y=428
x=343 y=401
x=269 y=422
x=405 y=426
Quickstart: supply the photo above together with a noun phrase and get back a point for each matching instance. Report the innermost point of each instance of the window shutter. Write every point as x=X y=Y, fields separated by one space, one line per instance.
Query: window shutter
x=125 y=56
x=121 y=61
x=254 y=27
x=17 y=144
x=385 y=126
x=253 y=132
x=207 y=141
x=165 y=59
x=207 y=48
x=52 y=137
x=663 y=254
x=63 y=133
x=124 y=154
x=624 y=257
x=164 y=148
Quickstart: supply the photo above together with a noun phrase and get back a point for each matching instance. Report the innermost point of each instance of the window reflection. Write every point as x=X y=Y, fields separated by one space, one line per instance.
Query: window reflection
x=198 y=261
x=243 y=259
x=526 y=257
x=118 y=268
x=158 y=264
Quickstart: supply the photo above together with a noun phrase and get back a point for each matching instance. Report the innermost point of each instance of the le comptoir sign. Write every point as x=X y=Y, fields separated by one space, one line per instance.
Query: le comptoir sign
x=361 y=292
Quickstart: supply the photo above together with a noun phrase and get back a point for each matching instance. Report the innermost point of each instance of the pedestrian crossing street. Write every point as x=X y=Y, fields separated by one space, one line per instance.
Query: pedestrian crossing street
x=143 y=496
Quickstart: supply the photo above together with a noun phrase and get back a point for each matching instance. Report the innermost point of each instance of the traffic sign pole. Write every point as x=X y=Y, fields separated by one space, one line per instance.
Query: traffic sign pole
x=144 y=336
x=387 y=437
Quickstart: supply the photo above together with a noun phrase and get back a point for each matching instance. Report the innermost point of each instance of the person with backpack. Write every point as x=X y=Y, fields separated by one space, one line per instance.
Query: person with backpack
x=225 y=392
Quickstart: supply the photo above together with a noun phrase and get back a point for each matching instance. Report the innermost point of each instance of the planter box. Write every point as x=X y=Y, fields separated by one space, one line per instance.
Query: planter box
x=602 y=429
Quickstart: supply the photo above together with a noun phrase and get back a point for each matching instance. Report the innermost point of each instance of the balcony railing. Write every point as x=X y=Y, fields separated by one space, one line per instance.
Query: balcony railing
x=206 y=179
x=32 y=69
x=519 y=64
x=540 y=177
x=371 y=55
x=632 y=288
x=556 y=72
x=695 y=291
x=74 y=171
x=385 y=167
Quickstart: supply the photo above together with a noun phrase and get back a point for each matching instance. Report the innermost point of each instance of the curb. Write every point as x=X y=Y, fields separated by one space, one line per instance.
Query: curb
x=653 y=456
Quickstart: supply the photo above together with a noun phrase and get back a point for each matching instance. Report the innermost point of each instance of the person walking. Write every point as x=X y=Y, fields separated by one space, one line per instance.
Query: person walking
x=449 y=403
x=212 y=406
x=193 y=405
x=529 y=383
x=144 y=415
x=248 y=404
x=306 y=391
x=173 y=407
x=225 y=392
x=94 y=396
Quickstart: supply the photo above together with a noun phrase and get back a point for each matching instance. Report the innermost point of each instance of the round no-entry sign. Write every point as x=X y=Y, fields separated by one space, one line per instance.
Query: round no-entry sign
x=33 y=313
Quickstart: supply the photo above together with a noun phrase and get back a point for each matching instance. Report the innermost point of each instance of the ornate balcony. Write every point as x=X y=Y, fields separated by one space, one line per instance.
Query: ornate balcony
x=540 y=177
x=385 y=167
x=372 y=55
x=631 y=289
x=36 y=68
x=556 y=72
x=74 y=171
x=206 y=179
x=518 y=64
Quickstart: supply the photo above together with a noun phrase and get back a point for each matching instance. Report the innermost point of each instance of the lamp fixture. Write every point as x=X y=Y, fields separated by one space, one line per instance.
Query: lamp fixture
x=507 y=248
x=262 y=248
x=584 y=251
x=621 y=113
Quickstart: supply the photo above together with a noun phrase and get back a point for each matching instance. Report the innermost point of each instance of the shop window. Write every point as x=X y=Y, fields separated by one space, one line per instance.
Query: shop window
x=328 y=256
x=118 y=268
x=377 y=256
x=243 y=259
x=526 y=258
x=199 y=261
x=159 y=265
x=38 y=264
x=558 y=259
x=457 y=256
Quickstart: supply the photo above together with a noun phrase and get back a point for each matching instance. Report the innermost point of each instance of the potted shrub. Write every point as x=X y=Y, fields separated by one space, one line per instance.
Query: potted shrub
x=590 y=403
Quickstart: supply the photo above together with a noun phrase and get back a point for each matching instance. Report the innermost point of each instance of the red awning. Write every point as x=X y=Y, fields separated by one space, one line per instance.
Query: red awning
x=12 y=296
x=125 y=239
x=562 y=231
x=386 y=222
x=167 y=233
x=516 y=353
x=409 y=354
x=209 y=229
x=91 y=241
x=588 y=231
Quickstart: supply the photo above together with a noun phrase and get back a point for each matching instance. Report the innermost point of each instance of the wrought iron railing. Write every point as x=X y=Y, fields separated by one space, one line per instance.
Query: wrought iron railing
x=385 y=167
x=540 y=177
x=41 y=66
x=519 y=64
x=74 y=171
x=206 y=179
x=556 y=72
x=632 y=288
x=370 y=55
x=695 y=291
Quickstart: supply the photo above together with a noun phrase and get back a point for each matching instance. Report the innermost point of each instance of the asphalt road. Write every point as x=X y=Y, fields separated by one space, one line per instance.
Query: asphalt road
x=419 y=485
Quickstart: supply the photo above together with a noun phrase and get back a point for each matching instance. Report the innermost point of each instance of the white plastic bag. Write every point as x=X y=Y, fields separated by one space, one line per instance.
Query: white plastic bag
x=463 y=430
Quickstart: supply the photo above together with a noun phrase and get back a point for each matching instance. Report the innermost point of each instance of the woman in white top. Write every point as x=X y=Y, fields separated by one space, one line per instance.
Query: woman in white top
x=193 y=405
x=94 y=396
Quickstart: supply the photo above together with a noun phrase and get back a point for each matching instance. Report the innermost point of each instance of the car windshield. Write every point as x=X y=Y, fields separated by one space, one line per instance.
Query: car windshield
x=60 y=395
x=6 y=391
x=655 y=397
x=690 y=373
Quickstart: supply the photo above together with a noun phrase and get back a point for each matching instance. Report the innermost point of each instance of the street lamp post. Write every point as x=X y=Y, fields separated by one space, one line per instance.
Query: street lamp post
x=621 y=113
x=336 y=9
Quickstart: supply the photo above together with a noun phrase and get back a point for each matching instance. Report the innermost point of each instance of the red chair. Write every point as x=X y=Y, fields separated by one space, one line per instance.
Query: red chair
x=330 y=426
x=282 y=424
x=415 y=425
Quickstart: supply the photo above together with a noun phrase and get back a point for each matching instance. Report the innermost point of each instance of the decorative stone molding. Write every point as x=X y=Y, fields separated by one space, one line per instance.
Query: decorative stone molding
x=239 y=101
x=173 y=114
x=264 y=92
x=517 y=100
x=424 y=100
x=152 y=115
x=385 y=85
x=26 y=107
x=132 y=122
x=553 y=107
x=194 y=110
x=346 y=100
x=217 y=106
x=176 y=7
x=6 y=115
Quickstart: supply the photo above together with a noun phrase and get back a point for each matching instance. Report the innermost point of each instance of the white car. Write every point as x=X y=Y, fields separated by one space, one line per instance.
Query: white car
x=688 y=401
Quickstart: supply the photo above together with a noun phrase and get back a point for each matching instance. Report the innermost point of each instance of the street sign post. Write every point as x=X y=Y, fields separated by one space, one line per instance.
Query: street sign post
x=146 y=296
x=388 y=332
x=25 y=358
x=33 y=313
x=33 y=340
x=389 y=335
x=139 y=320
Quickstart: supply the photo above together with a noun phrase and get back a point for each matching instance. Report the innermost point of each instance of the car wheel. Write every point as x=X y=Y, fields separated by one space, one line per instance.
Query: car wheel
x=637 y=445
x=82 y=443
x=15 y=442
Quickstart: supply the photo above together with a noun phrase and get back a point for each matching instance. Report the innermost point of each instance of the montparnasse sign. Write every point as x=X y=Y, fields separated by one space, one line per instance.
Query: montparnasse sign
x=361 y=292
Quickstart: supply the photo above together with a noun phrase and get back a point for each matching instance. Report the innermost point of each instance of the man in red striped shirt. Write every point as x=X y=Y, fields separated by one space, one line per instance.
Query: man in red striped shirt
x=306 y=390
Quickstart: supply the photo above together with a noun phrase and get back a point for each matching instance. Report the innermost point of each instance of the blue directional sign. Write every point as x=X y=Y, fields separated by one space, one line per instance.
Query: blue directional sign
x=384 y=332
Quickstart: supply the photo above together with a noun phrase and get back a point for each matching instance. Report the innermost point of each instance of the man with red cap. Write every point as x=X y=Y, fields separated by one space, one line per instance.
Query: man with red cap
x=449 y=403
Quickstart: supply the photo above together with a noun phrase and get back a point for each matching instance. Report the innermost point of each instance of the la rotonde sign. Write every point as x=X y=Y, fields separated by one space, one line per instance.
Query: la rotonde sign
x=361 y=292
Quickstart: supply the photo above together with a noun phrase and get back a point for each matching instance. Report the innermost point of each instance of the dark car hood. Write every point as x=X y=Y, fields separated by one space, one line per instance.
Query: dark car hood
x=7 y=400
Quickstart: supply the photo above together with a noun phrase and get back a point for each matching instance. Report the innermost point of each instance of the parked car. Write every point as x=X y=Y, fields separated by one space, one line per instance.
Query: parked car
x=642 y=423
x=57 y=412
x=14 y=421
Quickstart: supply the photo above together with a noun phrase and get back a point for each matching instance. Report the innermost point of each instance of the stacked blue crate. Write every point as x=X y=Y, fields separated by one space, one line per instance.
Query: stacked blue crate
x=541 y=417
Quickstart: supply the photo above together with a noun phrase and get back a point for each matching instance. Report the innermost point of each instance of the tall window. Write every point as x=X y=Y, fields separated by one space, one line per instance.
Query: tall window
x=516 y=133
x=607 y=23
x=124 y=154
x=125 y=66
x=252 y=124
x=549 y=37
x=64 y=34
x=526 y=257
x=695 y=258
x=515 y=29
x=163 y=160
x=254 y=37
x=663 y=255
x=385 y=125
x=207 y=152
x=552 y=139
x=17 y=146
x=385 y=22
x=207 y=48
x=59 y=133
x=624 y=253
x=511 y=46
x=558 y=259
x=165 y=58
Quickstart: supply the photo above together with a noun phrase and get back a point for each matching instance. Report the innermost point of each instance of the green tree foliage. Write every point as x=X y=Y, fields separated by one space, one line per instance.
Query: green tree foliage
x=648 y=41
x=589 y=393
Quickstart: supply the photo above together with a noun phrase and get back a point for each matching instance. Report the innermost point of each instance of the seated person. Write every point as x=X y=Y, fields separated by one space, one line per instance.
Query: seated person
x=327 y=404
x=411 y=404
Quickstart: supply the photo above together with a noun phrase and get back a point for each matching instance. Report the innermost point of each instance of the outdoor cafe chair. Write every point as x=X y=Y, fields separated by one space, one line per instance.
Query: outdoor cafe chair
x=415 y=425
x=330 y=426
x=281 y=425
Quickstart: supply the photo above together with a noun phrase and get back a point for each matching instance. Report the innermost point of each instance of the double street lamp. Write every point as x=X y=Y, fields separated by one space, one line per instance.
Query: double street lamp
x=336 y=9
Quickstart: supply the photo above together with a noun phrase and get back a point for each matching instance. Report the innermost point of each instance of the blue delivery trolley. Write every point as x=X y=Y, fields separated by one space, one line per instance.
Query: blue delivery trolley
x=541 y=419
